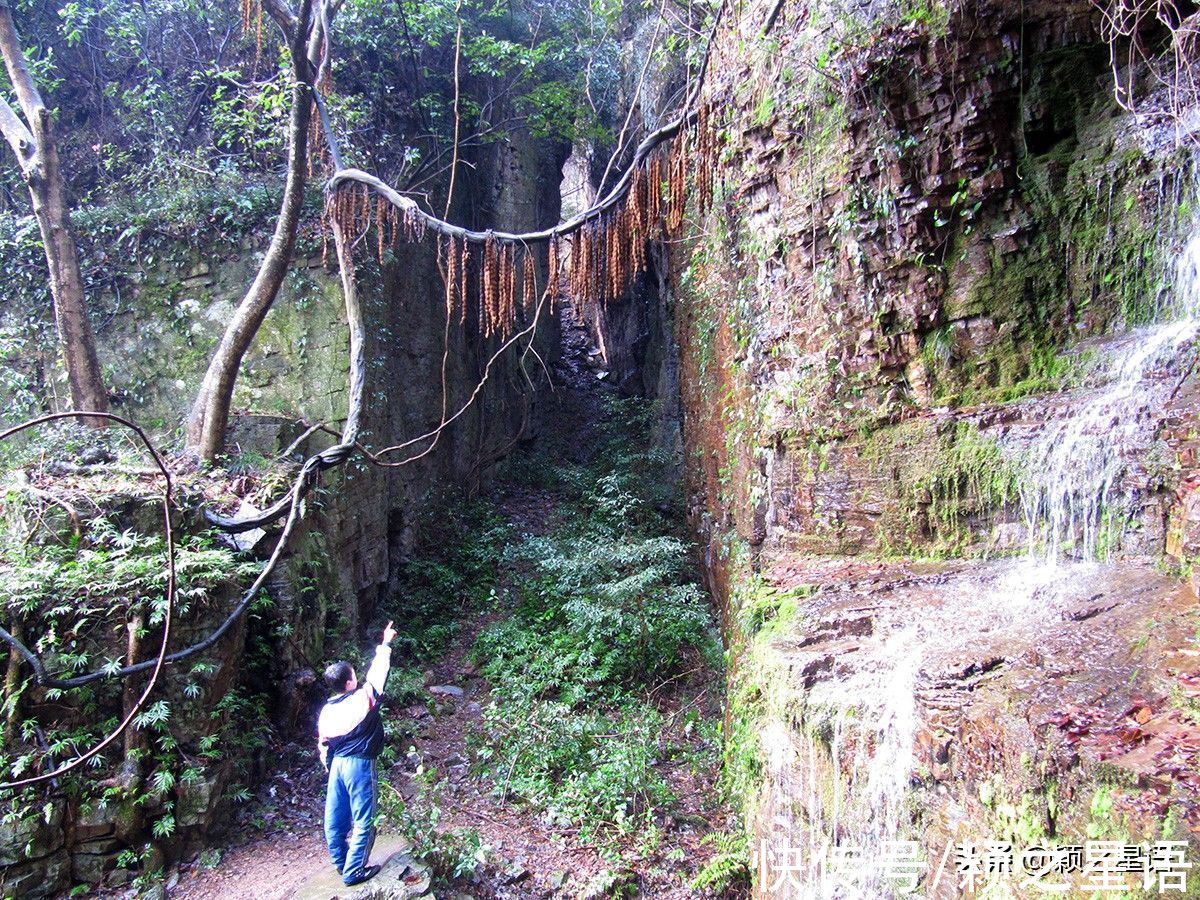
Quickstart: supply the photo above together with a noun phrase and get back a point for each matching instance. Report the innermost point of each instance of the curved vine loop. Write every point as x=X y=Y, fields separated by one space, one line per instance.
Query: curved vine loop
x=348 y=445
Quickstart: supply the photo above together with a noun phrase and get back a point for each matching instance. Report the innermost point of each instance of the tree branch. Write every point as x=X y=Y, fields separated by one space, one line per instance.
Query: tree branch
x=17 y=135
x=648 y=144
x=18 y=69
x=283 y=15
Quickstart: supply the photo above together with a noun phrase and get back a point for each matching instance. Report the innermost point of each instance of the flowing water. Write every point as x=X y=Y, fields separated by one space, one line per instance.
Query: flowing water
x=1073 y=503
x=1072 y=498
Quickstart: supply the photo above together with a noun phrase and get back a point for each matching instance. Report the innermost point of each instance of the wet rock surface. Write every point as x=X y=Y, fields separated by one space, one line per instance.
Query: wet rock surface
x=980 y=689
x=400 y=877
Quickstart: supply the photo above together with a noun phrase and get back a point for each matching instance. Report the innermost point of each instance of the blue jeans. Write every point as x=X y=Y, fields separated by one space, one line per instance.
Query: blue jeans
x=350 y=813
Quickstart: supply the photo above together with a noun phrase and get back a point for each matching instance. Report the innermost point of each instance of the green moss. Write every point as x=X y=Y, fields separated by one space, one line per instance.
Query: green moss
x=761 y=607
x=939 y=477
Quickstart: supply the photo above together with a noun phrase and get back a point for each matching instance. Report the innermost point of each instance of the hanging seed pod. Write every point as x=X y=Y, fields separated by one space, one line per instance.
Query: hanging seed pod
x=605 y=273
x=676 y=184
x=637 y=201
x=512 y=287
x=464 y=265
x=622 y=244
x=708 y=165
x=606 y=270
x=654 y=191
x=625 y=238
x=379 y=214
x=338 y=213
x=451 y=276
x=585 y=254
x=613 y=258
x=529 y=288
x=600 y=263
x=580 y=295
x=346 y=212
x=488 y=277
x=576 y=251
x=502 y=287
x=637 y=249
x=497 y=286
x=595 y=269
x=506 y=270
x=609 y=273
x=552 y=271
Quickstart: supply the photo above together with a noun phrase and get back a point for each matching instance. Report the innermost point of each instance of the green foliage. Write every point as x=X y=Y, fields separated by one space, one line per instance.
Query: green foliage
x=461 y=545
x=729 y=866
x=453 y=853
x=72 y=589
x=594 y=769
x=597 y=614
x=604 y=610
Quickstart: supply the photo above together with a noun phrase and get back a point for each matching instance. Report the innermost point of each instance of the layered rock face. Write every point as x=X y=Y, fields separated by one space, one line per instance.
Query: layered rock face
x=940 y=313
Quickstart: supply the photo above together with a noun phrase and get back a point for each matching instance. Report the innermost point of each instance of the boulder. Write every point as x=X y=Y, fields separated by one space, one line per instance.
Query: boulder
x=91 y=862
x=400 y=877
x=94 y=821
x=198 y=801
x=38 y=878
x=38 y=834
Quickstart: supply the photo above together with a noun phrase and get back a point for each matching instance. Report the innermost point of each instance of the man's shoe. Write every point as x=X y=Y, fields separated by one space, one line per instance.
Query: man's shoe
x=365 y=875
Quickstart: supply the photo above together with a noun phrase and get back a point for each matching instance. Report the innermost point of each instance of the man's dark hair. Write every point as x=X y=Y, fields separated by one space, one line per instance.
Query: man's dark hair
x=337 y=675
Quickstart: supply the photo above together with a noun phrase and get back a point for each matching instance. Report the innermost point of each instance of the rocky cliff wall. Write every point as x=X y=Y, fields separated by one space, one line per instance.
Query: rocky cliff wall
x=932 y=223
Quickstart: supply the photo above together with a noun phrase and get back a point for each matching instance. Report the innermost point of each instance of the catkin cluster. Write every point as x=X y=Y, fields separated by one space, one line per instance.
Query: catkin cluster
x=495 y=285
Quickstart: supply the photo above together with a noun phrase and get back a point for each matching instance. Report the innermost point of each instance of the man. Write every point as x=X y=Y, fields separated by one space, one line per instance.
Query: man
x=349 y=737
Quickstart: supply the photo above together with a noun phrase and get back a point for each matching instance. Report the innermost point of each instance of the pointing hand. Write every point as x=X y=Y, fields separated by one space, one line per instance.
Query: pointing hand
x=389 y=633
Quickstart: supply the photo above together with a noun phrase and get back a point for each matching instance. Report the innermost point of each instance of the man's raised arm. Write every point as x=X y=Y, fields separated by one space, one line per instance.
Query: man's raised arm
x=382 y=663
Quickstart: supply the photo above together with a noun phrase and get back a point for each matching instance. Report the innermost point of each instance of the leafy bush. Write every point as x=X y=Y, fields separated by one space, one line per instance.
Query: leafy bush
x=452 y=853
x=591 y=768
x=729 y=866
x=597 y=614
x=604 y=609
x=462 y=545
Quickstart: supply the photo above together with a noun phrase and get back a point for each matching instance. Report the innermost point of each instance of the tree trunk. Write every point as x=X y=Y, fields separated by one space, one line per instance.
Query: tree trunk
x=66 y=284
x=354 y=318
x=34 y=144
x=210 y=411
x=134 y=739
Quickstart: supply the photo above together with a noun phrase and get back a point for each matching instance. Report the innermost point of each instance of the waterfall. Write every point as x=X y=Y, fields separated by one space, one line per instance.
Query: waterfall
x=1072 y=494
x=868 y=811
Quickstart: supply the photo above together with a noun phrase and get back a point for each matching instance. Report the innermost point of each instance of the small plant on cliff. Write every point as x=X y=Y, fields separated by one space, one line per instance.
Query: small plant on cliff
x=729 y=867
x=941 y=478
